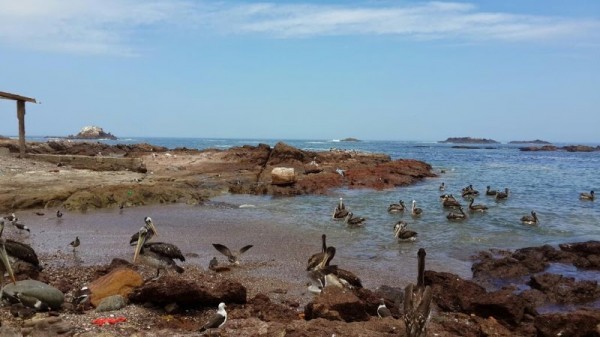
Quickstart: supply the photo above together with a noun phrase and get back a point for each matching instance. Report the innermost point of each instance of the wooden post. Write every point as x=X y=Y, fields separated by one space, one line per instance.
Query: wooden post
x=21 y=117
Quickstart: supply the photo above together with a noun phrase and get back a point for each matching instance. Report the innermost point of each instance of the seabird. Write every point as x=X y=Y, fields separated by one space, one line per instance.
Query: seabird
x=502 y=195
x=415 y=210
x=401 y=233
x=382 y=310
x=469 y=191
x=15 y=252
x=490 y=192
x=217 y=320
x=457 y=216
x=340 y=211
x=75 y=243
x=59 y=214
x=442 y=187
x=477 y=208
x=417 y=302
x=159 y=255
x=334 y=275
x=20 y=226
x=316 y=258
x=450 y=202
x=231 y=257
x=352 y=221
x=11 y=217
x=150 y=228
x=396 y=208
x=587 y=196
x=530 y=219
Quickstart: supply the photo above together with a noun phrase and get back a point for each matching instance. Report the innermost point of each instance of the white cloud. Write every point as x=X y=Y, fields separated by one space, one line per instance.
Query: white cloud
x=112 y=26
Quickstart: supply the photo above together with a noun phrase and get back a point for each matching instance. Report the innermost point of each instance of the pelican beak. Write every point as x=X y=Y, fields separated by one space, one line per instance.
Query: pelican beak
x=4 y=259
x=151 y=224
x=140 y=244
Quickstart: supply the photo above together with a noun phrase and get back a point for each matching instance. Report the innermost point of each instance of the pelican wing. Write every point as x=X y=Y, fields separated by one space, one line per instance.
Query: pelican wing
x=245 y=248
x=224 y=250
x=22 y=252
x=134 y=239
x=165 y=249
x=346 y=275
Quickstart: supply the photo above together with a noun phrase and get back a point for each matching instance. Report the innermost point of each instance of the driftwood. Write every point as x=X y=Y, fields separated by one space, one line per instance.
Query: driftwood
x=417 y=302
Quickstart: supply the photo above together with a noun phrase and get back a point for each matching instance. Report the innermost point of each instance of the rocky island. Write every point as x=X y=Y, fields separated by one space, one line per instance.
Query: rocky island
x=537 y=141
x=92 y=132
x=468 y=140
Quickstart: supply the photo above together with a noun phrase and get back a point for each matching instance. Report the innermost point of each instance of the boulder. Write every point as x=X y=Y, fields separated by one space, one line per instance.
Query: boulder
x=205 y=291
x=264 y=309
x=53 y=297
x=503 y=305
x=283 y=176
x=111 y=303
x=452 y=293
x=120 y=281
x=337 y=304
x=580 y=323
x=562 y=289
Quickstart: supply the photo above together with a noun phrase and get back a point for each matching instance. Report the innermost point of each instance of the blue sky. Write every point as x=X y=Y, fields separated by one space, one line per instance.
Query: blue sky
x=388 y=70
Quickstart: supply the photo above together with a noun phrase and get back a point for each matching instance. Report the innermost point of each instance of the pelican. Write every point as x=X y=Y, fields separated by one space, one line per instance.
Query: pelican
x=457 y=216
x=417 y=302
x=158 y=255
x=217 y=320
x=352 y=221
x=415 y=210
x=477 y=208
x=469 y=191
x=150 y=228
x=402 y=234
x=583 y=196
x=340 y=211
x=75 y=243
x=490 y=192
x=316 y=258
x=231 y=257
x=15 y=252
x=530 y=219
x=396 y=208
x=382 y=310
x=4 y=259
x=442 y=187
x=450 y=202
x=502 y=195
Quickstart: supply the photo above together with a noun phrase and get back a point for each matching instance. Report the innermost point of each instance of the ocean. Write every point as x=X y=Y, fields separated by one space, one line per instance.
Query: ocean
x=547 y=182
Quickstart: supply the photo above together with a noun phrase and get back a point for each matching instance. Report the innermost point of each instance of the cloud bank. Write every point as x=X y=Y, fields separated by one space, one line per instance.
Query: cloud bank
x=116 y=26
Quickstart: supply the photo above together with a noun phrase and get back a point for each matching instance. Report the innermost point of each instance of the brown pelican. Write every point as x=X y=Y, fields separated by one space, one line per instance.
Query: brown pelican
x=333 y=275
x=150 y=228
x=477 y=208
x=396 y=208
x=530 y=219
x=450 y=202
x=5 y=266
x=469 y=191
x=442 y=187
x=490 y=192
x=315 y=259
x=457 y=216
x=75 y=243
x=502 y=195
x=231 y=257
x=15 y=252
x=402 y=234
x=417 y=302
x=340 y=211
x=415 y=210
x=217 y=320
x=587 y=196
x=158 y=255
x=382 y=310
x=352 y=221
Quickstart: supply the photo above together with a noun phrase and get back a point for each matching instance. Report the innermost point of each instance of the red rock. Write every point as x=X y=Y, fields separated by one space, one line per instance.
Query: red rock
x=120 y=281
x=337 y=304
x=581 y=323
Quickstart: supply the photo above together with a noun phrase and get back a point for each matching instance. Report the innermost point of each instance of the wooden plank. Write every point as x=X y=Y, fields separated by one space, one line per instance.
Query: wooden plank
x=21 y=117
x=15 y=97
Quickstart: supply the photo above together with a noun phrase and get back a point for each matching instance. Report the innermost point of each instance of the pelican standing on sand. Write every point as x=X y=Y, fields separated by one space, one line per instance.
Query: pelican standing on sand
x=217 y=320
x=316 y=258
x=150 y=228
x=583 y=196
x=231 y=256
x=530 y=219
x=415 y=210
x=158 y=255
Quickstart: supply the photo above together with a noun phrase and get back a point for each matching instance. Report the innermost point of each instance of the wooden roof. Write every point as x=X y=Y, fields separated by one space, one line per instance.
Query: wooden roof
x=6 y=95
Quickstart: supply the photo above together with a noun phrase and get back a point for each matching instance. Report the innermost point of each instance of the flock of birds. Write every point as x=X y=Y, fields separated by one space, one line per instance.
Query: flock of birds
x=457 y=213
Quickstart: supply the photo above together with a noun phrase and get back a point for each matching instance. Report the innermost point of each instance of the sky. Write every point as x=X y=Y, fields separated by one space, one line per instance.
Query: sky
x=373 y=69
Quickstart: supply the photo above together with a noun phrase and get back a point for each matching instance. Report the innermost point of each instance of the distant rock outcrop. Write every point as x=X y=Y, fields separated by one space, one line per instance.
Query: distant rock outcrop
x=568 y=148
x=349 y=139
x=468 y=140
x=92 y=132
x=537 y=141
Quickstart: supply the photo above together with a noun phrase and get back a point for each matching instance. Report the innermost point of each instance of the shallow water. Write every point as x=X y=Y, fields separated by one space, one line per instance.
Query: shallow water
x=547 y=182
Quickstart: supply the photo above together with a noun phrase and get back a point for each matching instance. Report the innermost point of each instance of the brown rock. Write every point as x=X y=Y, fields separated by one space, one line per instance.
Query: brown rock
x=337 y=304
x=562 y=289
x=120 y=281
x=503 y=305
x=581 y=323
x=451 y=293
x=205 y=291
x=262 y=308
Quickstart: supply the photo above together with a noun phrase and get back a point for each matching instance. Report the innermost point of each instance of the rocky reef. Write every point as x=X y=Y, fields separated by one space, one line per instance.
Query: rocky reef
x=468 y=140
x=537 y=141
x=92 y=132
x=568 y=148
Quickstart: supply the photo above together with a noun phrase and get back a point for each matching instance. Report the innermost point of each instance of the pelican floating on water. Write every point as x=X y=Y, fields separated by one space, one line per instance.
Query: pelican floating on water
x=442 y=187
x=396 y=208
x=488 y=191
x=340 y=211
x=530 y=219
x=477 y=208
x=502 y=195
x=587 y=196
x=158 y=255
x=449 y=201
x=415 y=210
x=231 y=256
x=352 y=221
x=457 y=216
x=401 y=233
x=75 y=243
x=150 y=228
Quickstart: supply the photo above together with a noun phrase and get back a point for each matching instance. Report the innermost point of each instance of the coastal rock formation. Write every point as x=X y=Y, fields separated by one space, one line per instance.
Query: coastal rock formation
x=580 y=323
x=337 y=304
x=468 y=140
x=568 y=148
x=537 y=141
x=120 y=281
x=92 y=132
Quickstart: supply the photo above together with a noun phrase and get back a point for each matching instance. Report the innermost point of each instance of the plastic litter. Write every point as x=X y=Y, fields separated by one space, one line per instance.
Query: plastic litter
x=108 y=320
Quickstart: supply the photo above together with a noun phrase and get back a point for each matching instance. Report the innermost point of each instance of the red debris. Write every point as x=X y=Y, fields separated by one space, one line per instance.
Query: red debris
x=108 y=320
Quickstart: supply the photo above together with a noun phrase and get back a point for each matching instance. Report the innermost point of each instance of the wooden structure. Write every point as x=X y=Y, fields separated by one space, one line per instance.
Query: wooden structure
x=20 y=115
